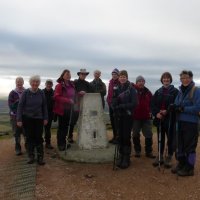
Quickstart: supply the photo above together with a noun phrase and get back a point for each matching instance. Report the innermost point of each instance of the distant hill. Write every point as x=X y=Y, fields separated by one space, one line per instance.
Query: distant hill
x=4 y=106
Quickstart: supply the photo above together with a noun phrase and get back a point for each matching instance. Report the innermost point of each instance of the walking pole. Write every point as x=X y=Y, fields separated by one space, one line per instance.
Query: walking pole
x=177 y=132
x=168 y=132
x=159 y=145
x=116 y=154
x=70 y=119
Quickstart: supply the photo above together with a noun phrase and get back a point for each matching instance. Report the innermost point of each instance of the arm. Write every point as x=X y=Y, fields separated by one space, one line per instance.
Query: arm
x=58 y=96
x=20 y=108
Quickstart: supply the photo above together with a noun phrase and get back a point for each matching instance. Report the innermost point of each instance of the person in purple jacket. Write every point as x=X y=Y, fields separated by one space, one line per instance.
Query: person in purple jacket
x=32 y=114
x=13 y=101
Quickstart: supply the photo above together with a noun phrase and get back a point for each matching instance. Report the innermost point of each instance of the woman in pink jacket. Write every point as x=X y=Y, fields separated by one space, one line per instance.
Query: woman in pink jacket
x=64 y=97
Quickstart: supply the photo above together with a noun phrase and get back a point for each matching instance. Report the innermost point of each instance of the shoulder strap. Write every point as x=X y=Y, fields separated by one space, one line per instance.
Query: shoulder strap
x=192 y=92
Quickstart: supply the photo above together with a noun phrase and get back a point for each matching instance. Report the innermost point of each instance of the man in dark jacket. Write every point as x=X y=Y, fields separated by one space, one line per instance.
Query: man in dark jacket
x=98 y=86
x=48 y=91
x=81 y=86
x=142 y=119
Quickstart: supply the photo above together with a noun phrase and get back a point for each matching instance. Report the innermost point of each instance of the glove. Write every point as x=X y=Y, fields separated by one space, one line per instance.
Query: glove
x=121 y=106
x=175 y=108
x=179 y=109
x=172 y=107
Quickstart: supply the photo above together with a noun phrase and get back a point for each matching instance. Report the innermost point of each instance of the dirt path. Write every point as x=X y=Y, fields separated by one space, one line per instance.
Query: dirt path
x=59 y=180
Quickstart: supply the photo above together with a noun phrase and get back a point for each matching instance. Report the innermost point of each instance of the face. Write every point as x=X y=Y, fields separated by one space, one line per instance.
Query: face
x=140 y=83
x=82 y=76
x=166 y=81
x=34 y=85
x=49 y=86
x=115 y=76
x=185 y=79
x=123 y=79
x=19 y=84
x=97 y=75
x=67 y=76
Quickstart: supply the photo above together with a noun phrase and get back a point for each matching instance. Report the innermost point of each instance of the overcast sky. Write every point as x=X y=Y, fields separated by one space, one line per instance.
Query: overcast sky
x=145 y=37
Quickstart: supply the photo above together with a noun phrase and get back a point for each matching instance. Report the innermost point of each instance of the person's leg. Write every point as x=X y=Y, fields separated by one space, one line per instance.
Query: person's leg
x=39 y=141
x=47 y=130
x=62 y=132
x=147 y=132
x=74 y=120
x=136 y=137
x=190 y=140
x=126 y=141
x=170 y=143
x=113 y=124
x=29 y=128
x=18 y=131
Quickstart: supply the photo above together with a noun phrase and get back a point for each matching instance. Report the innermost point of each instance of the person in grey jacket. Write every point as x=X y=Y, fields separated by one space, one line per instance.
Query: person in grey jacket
x=32 y=114
x=98 y=86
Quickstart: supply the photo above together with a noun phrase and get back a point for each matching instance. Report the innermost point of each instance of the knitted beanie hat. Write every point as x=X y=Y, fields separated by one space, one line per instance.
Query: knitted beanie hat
x=115 y=71
x=123 y=73
x=139 y=78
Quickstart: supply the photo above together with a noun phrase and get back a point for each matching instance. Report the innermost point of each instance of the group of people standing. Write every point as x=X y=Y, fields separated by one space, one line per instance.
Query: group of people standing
x=175 y=114
x=131 y=108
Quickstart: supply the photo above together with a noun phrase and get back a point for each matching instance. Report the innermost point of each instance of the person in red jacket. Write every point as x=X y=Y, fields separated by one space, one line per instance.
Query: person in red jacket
x=113 y=83
x=142 y=119
x=64 y=98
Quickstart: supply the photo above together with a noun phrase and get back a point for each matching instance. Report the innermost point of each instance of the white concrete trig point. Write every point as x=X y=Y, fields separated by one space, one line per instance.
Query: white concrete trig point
x=91 y=126
x=92 y=144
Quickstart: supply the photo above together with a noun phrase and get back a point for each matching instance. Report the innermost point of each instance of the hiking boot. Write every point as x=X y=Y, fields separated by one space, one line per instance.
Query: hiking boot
x=48 y=146
x=40 y=161
x=18 y=152
x=137 y=154
x=178 y=167
x=168 y=162
x=70 y=140
x=186 y=171
x=31 y=160
x=125 y=162
x=114 y=140
x=119 y=160
x=150 y=155
x=156 y=162
x=62 y=148
x=18 y=148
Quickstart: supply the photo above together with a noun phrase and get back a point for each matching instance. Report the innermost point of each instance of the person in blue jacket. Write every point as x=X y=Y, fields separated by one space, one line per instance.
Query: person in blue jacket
x=187 y=107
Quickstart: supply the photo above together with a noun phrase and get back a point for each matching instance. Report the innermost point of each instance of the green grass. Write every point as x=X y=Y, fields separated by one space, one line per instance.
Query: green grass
x=5 y=126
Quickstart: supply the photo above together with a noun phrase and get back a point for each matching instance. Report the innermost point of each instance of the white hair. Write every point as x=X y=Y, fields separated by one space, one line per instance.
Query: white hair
x=19 y=78
x=34 y=78
x=97 y=71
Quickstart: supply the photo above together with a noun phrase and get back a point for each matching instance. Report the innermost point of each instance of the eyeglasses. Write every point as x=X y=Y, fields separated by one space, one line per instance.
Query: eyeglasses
x=184 y=78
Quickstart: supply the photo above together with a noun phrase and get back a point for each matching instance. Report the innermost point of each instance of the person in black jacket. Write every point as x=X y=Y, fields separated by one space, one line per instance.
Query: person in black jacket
x=98 y=86
x=123 y=102
x=163 y=119
x=81 y=86
x=48 y=91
